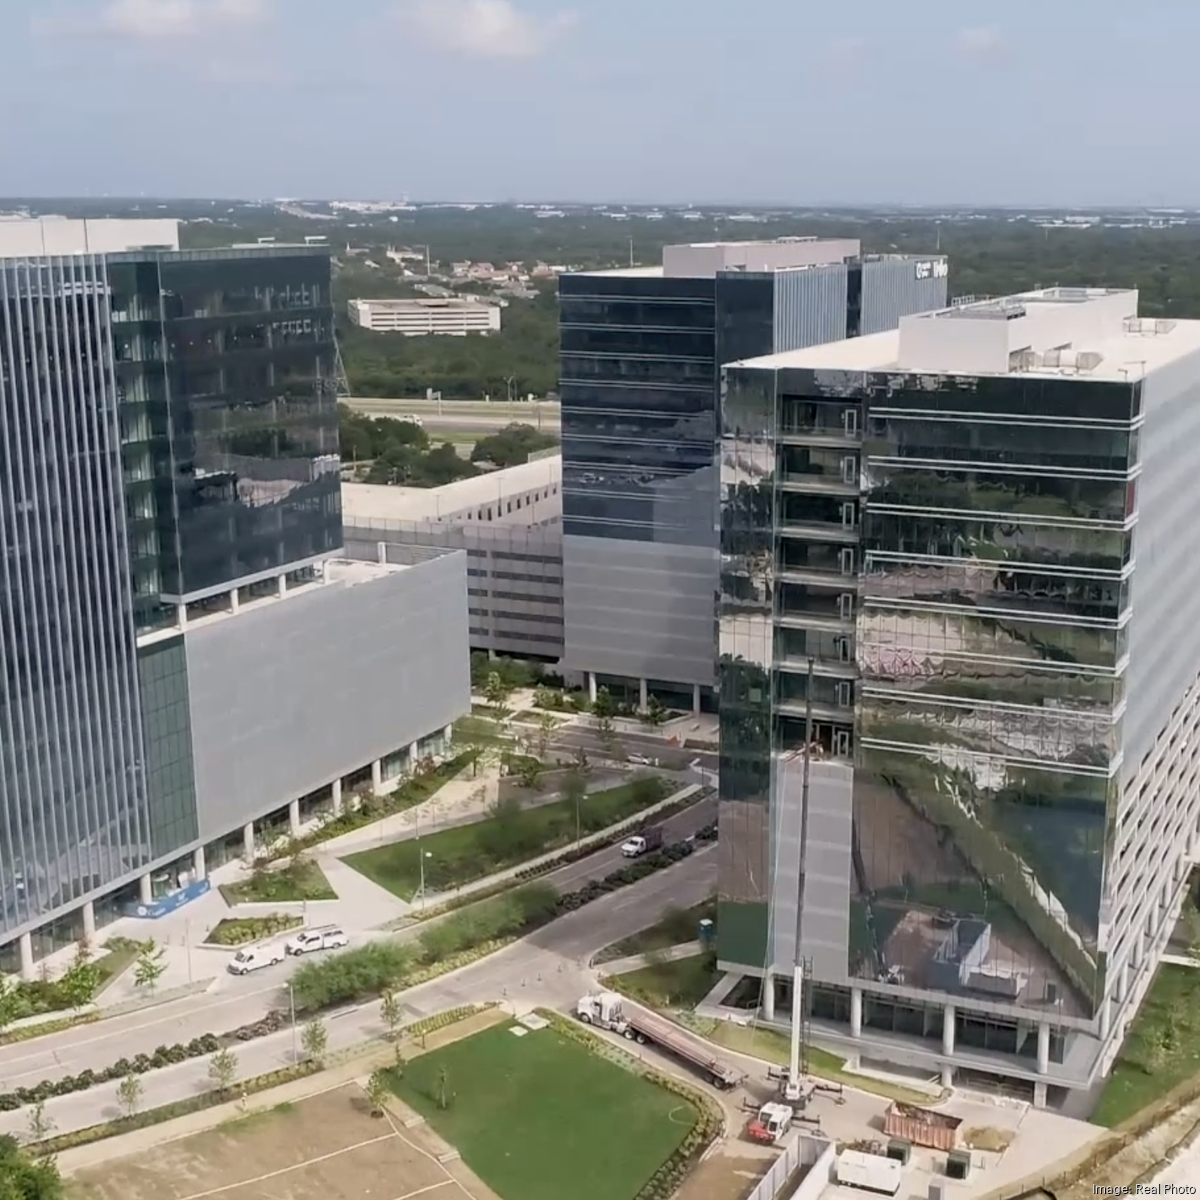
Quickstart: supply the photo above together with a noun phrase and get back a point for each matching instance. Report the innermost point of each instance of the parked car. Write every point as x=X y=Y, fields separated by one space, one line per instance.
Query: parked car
x=327 y=937
x=254 y=958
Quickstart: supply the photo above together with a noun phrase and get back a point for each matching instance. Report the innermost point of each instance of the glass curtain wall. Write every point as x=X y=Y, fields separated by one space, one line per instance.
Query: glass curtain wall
x=991 y=647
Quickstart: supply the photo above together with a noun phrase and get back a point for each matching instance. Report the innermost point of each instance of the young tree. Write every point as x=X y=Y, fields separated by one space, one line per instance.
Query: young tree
x=150 y=966
x=400 y=1063
x=604 y=710
x=546 y=725
x=12 y=1004
x=444 y=1095
x=222 y=1070
x=654 y=713
x=129 y=1095
x=81 y=980
x=26 y=1178
x=377 y=1093
x=574 y=790
x=529 y=771
x=41 y=1123
x=497 y=690
x=315 y=1040
x=392 y=1012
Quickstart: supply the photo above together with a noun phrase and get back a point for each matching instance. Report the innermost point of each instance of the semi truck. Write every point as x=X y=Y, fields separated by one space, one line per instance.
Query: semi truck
x=608 y=1010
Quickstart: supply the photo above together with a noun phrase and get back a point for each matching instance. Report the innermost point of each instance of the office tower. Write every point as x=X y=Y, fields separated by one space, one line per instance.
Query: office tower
x=185 y=652
x=972 y=536
x=641 y=352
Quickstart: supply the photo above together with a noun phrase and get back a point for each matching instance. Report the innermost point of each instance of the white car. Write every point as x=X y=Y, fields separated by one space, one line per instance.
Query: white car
x=254 y=958
x=328 y=937
x=641 y=760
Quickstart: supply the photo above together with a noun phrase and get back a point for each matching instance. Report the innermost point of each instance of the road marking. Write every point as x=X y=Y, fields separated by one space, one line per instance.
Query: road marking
x=433 y=1187
x=228 y=1187
x=462 y=1187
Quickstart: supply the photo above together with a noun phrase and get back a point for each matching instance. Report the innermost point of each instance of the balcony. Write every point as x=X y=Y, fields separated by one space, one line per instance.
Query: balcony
x=820 y=712
x=805 y=577
x=818 y=485
x=821 y=624
x=832 y=438
x=823 y=668
x=818 y=531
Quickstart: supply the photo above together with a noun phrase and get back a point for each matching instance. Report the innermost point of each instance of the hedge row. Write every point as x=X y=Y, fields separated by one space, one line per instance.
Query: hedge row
x=666 y=1181
x=168 y=1112
x=575 y=854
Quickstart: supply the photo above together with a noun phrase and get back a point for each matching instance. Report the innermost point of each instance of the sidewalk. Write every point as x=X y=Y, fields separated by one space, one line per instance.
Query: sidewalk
x=635 y=962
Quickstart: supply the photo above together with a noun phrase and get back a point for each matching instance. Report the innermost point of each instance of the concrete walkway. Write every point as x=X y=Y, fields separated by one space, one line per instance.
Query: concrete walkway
x=635 y=962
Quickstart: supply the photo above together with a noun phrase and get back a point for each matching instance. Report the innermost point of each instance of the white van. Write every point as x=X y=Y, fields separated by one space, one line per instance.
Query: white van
x=327 y=937
x=253 y=958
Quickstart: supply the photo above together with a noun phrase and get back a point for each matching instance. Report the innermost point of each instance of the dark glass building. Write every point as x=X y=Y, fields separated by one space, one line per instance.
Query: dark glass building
x=641 y=352
x=930 y=542
x=227 y=378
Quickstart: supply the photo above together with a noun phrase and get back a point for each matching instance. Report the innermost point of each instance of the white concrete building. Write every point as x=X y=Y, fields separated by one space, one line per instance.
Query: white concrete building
x=422 y=317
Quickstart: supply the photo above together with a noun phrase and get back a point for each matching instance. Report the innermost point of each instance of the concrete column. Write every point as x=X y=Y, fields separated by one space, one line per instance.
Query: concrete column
x=414 y=756
x=768 y=997
x=448 y=736
x=89 y=921
x=281 y=583
x=336 y=792
x=181 y=615
x=199 y=866
x=948 y=1018
x=25 y=945
x=377 y=776
x=947 y=1077
x=592 y=688
x=1043 y=1050
x=381 y=552
x=294 y=818
x=145 y=889
x=643 y=695
x=235 y=601
x=695 y=699
x=248 y=843
x=1105 y=1020
x=1039 y=1095
x=856 y=1006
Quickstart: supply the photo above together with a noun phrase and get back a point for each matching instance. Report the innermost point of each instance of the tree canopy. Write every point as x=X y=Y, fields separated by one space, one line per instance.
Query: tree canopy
x=511 y=446
x=25 y=1178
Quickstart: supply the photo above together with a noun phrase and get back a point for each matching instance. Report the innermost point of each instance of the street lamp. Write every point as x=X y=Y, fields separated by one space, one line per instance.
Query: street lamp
x=424 y=855
x=292 y=1008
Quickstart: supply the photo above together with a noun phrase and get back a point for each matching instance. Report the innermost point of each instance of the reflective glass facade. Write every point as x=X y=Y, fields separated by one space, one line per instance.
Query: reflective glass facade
x=227 y=369
x=73 y=808
x=954 y=557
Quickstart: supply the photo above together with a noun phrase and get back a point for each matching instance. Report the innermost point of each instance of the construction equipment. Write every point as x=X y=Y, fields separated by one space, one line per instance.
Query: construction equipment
x=770 y=1123
x=608 y=1010
x=869 y=1172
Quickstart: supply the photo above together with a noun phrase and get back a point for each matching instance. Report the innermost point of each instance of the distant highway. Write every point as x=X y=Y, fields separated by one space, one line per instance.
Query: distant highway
x=468 y=415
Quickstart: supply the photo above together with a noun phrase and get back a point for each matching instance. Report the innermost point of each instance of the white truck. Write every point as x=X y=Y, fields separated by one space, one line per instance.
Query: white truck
x=769 y=1125
x=608 y=1010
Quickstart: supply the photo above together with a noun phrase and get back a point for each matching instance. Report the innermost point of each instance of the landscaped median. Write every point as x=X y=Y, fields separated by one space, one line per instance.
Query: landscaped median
x=241 y=931
x=463 y=854
x=370 y=970
x=298 y=882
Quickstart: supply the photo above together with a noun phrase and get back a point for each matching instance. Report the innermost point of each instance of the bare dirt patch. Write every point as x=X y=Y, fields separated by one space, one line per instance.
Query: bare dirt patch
x=324 y=1148
x=724 y=1177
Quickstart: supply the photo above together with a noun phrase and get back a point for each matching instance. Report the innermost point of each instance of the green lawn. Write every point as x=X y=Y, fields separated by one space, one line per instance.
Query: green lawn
x=676 y=928
x=281 y=885
x=513 y=836
x=681 y=983
x=1161 y=1050
x=540 y=1117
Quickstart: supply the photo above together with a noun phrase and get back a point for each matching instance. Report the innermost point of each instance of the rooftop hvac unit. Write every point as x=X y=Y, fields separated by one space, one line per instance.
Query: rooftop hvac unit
x=1078 y=360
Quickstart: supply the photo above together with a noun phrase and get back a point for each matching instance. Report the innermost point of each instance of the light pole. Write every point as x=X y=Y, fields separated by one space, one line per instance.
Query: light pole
x=424 y=855
x=292 y=1009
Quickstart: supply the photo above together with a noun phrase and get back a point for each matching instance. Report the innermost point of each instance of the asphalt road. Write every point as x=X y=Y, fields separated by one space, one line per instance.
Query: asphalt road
x=548 y=968
x=578 y=737
x=465 y=414
x=238 y=1000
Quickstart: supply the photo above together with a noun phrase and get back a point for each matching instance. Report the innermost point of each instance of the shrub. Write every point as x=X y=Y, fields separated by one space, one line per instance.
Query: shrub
x=365 y=971
x=238 y=931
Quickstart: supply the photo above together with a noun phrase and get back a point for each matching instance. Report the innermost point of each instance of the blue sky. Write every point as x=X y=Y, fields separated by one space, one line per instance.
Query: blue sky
x=774 y=101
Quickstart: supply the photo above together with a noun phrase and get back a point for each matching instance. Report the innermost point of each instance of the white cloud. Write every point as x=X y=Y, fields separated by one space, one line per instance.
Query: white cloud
x=165 y=20
x=485 y=28
x=980 y=43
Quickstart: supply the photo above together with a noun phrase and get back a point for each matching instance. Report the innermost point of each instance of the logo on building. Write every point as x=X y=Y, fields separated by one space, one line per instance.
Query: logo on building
x=933 y=270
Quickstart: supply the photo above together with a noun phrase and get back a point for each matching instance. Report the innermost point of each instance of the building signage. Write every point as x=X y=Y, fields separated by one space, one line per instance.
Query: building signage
x=168 y=904
x=933 y=270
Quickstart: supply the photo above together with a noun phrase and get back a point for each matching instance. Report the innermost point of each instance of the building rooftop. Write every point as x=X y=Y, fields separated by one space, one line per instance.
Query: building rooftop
x=1094 y=333
x=22 y=237
x=364 y=502
x=704 y=260
x=420 y=303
